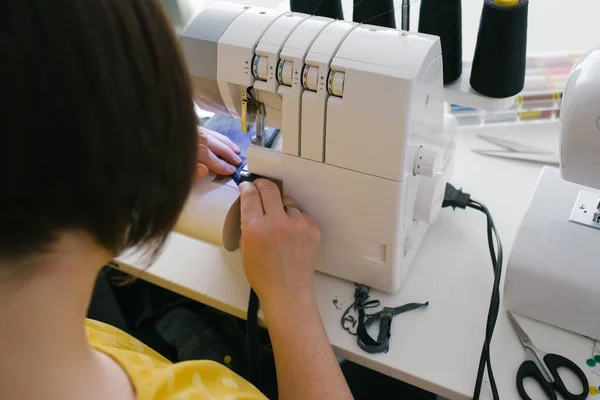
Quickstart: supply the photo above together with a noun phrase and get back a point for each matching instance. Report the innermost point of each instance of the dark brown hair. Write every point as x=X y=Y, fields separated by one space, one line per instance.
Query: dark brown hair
x=97 y=126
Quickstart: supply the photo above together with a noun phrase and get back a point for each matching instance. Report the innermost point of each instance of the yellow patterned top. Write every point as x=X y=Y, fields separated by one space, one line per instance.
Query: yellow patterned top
x=154 y=377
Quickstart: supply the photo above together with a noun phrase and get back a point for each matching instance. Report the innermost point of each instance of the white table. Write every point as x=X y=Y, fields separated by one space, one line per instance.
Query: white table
x=437 y=348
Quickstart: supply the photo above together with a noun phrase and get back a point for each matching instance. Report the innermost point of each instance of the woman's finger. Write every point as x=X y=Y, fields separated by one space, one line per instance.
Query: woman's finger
x=311 y=220
x=221 y=138
x=271 y=197
x=202 y=171
x=292 y=209
x=214 y=163
x=251 y=203
x=223 y=151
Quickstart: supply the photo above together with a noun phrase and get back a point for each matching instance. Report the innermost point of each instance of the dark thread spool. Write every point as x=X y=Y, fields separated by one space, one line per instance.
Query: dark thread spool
x=375 y=12
x=320 y=8
x=443 y=18
x=498 y=68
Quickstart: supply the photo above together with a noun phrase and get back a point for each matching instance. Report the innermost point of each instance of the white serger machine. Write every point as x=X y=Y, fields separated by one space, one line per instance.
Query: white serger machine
x=553 y=272
x=366 y=147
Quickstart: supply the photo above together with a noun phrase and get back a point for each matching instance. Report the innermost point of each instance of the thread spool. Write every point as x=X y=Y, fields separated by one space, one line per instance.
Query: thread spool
x=498 y=68
x=320 y=8
x=375 y=12
x=443 y=18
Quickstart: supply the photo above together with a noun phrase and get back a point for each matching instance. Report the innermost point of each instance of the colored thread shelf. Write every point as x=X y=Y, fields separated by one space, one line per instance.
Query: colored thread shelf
x=545 y=80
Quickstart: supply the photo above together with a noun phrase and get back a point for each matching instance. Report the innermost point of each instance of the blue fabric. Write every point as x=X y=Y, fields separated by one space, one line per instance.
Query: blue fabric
x=231 y=128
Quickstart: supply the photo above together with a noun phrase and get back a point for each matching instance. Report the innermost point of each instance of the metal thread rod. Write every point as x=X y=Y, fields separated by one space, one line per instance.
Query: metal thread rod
x=260 y=130
x=405 y=15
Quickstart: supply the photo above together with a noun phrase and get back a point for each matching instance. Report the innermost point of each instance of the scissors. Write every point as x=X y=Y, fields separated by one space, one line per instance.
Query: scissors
x=518 y=151
x=543 y=368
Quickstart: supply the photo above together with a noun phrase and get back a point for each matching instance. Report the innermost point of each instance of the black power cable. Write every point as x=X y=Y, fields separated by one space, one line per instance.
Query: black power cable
x=453 y=198
x=457 y=198
x=252 y=342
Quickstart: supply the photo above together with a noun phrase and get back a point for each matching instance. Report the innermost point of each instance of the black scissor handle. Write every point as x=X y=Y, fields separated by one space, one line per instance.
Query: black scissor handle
x=554 y=362
x=529 y=369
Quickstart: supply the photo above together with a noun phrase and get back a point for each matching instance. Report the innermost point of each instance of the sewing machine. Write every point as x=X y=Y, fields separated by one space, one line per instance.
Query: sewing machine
x=366 y=146
x=552 y=273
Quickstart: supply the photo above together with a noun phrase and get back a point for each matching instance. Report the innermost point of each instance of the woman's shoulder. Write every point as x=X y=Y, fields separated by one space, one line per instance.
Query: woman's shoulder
x=154 y=377
x=104 y=335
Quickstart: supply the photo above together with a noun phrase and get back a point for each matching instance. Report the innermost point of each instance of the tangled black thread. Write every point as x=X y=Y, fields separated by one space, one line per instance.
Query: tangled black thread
x=361 y=302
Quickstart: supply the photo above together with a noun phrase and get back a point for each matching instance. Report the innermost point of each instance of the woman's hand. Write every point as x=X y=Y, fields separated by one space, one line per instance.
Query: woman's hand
x=279 y=248
x=216 y=153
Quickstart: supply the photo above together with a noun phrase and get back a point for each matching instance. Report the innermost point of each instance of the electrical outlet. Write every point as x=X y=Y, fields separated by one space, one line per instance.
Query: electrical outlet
x=586 y=210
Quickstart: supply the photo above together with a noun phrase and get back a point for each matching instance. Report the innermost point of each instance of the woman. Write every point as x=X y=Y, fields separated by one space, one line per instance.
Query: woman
x=99 y=150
